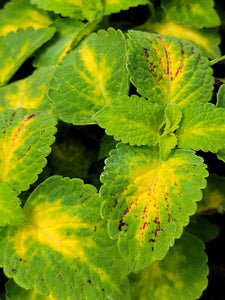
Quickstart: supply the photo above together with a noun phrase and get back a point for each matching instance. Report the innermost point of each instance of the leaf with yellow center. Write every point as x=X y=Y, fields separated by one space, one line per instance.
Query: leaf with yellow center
x=29 y=93
x=64 y=250
x=25 y=139
x=148 y=200
x=167 y=70
x=182 y=274
x=192 y=13
x=21 y=14
x=90 y=77
x=27 y=42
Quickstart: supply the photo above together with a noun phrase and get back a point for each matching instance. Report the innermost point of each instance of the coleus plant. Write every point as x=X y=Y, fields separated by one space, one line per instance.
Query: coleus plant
x=130 y=236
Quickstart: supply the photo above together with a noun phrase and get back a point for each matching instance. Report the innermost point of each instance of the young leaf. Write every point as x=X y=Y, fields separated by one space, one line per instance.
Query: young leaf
x=192 y=13
x=90 y=77
x=21 y=14
x=202 y=127
x=30 y=92
x=25 y=137
x=14 y=292
x=167 y=142
x=168 y=70
x=26 y=41
x=173 y=116
x=221 y=97
x=182 y=274
x=148 y=201
x=134 y=120
x=65 y=250
x=115 y=6
x=54 y=51
x=10 y=210
x=207 y=40
x=78 y=9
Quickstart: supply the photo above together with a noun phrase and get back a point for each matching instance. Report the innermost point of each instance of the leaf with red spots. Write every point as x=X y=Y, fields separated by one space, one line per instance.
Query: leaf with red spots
x=25 y=139
x=147 y=201
x=167 y=69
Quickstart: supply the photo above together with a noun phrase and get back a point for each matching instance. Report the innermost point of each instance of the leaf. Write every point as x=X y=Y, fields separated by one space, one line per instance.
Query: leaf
x=25 y=137
x=90 y=77
x=107 y=143
x=21 y=14
x=30 y=92
x=203 y=229
x=167 y=142
x=133 y=120
x=206 y=39
x=167 y=70
x=213 y=195
x=173 y=116
x=181 y=275
x=148 y=201
x=10 y=210
x=192 y=13
x=14 y=292
x=78 y=9
x=221 y=97
x=64 y=250
x=202 y=127
x=115 y=6
x=54 y=51
x=27 y=42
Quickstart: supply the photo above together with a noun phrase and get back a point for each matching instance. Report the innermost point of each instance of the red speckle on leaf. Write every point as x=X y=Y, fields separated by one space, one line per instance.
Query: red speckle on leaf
x=31 y=116
x=14 y=271
x=146 y=53
x=95 y=228
x=175 y=183
x=89 y=281
x=151 y=240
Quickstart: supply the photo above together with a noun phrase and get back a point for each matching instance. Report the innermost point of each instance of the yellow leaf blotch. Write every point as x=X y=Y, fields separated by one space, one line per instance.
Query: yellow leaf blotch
x=50 y=225
x=98 y=71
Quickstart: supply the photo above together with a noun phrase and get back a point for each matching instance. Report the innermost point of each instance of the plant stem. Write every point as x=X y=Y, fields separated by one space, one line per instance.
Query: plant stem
x=216 y=60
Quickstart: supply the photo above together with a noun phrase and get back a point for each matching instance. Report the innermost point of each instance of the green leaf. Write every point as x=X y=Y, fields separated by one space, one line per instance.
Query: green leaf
x=207 y=40
x=27 y=42
x=181 y=275
x=54 y=51
x=115 y=6
x=192 y=13
x=148 y=201
x=203 y=229
x=167 y=142
x=167 y=70
x=221 y=97
x=202 y=127
x=213 y=195
x=79 y=9
x=30 y=92
x=173 y=116
x=14 y=292
x=10 y=210
x=90 y=77
x=25 y=137
x=106 y=145
x=65 y=250
x=133 y=120
x=21 y=14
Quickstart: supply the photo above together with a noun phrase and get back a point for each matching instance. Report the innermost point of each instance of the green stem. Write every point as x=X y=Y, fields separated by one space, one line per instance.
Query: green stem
x=216 y=60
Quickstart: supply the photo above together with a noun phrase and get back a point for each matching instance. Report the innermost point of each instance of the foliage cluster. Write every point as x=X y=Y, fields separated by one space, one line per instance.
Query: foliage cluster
x=109 y=206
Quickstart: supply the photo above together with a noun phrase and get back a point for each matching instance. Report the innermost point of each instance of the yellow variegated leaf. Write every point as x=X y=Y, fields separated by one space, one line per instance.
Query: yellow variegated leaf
x=21 y=14
x=25 y=137
x=90 y=77
x=167 y=70
x=27 y=42
x=114 y=6
x=148 y=200
x=30 y=92
x=64 y=250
